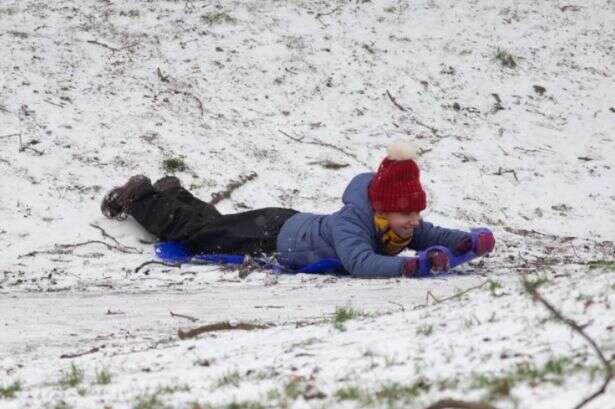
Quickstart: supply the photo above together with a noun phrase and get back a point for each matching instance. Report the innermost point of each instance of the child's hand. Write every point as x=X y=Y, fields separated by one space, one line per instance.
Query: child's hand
x=484 y=244
x=438 y=260
x=411 y=266
x=464 y=245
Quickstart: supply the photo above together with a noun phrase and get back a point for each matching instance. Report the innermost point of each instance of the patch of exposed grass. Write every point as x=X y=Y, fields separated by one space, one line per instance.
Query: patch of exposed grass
x=505 y=58
x=534 y=284
x=293 y=389
x=393 y=394
x=493 y=286
x=469 y=323
x=218 y=17
x=554 y=371
x=397 y=393
x=61 y=405
x=349 y=393
x=246 y=404
x=72 y=378
x=103 y=377
x=343 y=314
x=229 y=378
x=9 y=391
x=172 y=165
x=294 y=42
x=153 y=400
x=602 y=264
x=171 y=389
x=149 y=401
x=424 y=329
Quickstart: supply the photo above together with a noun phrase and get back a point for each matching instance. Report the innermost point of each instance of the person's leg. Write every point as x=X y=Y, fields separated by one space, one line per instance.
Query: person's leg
x=251 y=232
x=172 y=186
x=165 y=216
x=201 y=228
x=209 y=211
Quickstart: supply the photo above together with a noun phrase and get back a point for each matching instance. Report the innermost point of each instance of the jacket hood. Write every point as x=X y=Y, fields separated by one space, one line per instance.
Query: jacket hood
x=356 y=194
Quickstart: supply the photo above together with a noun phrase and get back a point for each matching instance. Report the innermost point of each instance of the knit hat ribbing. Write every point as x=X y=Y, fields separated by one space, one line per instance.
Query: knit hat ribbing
x=397 y=186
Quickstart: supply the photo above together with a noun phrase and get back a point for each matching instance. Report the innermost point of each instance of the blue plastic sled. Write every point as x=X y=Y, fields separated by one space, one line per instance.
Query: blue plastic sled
x=175 y=252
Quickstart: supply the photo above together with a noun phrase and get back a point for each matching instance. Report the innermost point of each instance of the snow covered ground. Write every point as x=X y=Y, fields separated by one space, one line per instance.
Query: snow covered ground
x=511 y=103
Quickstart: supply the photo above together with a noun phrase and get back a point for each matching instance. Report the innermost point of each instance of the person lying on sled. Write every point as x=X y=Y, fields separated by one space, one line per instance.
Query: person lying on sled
x=380 y=217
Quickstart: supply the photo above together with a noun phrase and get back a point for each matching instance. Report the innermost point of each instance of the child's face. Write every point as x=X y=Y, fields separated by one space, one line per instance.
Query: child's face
x=403 y=223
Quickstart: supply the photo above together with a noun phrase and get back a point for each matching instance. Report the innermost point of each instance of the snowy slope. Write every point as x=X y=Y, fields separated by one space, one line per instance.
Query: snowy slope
x=92 y=92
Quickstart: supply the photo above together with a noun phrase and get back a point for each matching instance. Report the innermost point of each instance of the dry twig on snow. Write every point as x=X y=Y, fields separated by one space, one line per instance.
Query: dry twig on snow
x=162 y=263
x=327 y=145
x=68 y=248
x=78 y=354
x=231 y=187
x=456 y=295
x=108 y=236
x=183 y=316
x=219 y=326
x=459 y=404
x=532 y=289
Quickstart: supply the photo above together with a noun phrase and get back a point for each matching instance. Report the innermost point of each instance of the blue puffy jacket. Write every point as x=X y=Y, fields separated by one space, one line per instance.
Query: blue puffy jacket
x=351 y=236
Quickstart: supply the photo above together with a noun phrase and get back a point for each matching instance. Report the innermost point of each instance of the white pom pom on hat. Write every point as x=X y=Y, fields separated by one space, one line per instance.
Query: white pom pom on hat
x=401 y=150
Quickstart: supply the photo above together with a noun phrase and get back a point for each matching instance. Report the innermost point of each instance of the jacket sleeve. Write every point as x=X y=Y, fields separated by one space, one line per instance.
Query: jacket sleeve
x=427 y=235
x=352 y=242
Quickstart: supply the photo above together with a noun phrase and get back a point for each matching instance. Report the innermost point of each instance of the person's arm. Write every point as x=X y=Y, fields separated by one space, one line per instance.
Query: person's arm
x=352 y=243
x=427 y=235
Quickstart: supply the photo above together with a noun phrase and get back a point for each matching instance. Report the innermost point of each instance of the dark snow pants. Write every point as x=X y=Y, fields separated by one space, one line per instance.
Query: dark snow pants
x=179 y=216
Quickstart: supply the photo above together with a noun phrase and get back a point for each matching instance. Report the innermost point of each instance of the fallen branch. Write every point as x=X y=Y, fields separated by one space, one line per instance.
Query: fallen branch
x=68 y=248
x=183 y=316
x=121 y=249
x=394 y=101
x=401 y=307
x=532 y=289
x=433 y=130
x=327 y=145
x=23 y=148
x=161 y=77
x=108 y=47
x=456 y=295
x=53 y=103
x=197 y=99
x=501 y=172
x=162 y=263
x=108 y=236
x=219 y=326
x=320 y=15
x=78 y=354
x=459 y=404
x=231 y=187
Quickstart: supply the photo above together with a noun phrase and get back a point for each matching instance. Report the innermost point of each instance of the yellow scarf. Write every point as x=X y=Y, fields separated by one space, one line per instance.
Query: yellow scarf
x=392 y=243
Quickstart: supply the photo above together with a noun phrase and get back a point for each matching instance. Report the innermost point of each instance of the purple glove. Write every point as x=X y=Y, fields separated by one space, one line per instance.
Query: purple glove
x=464 y=245
x=484 y=244
x=411 y=266
x=437 y=259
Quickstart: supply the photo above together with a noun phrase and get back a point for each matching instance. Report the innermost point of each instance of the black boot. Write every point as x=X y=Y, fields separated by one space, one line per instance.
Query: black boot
x=167 y=183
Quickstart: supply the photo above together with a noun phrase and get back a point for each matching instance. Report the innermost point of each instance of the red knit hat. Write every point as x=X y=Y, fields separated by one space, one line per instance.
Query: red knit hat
x=397 y=187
